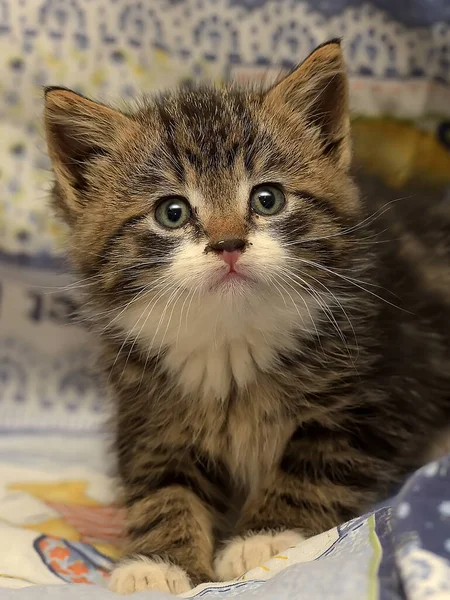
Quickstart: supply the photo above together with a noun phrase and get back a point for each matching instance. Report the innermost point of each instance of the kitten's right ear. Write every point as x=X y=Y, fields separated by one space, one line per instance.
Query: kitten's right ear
x=316 y=92
x=78 y=132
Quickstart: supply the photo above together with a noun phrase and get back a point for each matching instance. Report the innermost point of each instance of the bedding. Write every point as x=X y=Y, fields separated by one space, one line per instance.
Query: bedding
x=58 y=525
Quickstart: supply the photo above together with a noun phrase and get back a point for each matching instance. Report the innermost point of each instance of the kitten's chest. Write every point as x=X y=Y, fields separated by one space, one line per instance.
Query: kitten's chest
x=225 y=365
x=212 y=348
x=250 y=436
x=228 y=350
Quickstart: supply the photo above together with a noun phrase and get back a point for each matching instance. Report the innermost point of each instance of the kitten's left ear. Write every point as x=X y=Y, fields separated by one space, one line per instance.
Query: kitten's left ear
x=317 y=91
x=79 y=131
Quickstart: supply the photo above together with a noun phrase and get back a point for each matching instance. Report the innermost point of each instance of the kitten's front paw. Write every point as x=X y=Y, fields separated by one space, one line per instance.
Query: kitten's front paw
x=245 y=553
x=141 y=573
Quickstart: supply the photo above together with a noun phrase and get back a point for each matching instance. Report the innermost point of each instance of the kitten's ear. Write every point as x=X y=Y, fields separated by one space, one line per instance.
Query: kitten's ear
x=317 y=90
x=78 y=132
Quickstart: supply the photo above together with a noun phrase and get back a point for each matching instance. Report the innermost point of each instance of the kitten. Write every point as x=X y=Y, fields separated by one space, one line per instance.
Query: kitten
x=272 y=365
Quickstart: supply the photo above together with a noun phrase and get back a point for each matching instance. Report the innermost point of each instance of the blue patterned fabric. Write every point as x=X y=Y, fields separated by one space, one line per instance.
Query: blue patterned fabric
x=411 y=14
x=398 y=552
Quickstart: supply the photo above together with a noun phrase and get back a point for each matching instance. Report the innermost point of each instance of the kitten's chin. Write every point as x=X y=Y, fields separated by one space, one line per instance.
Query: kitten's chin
x=232 y=281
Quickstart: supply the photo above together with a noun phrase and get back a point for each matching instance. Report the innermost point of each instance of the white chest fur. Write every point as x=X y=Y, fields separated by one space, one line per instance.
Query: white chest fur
x=215 y=342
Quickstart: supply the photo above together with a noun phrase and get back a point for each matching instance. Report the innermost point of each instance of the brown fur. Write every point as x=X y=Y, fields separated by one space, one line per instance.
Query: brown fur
x=302 y=430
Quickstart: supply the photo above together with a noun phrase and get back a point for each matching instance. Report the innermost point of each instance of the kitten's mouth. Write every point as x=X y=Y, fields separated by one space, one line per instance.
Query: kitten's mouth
x=232 y=274
x=231 y=278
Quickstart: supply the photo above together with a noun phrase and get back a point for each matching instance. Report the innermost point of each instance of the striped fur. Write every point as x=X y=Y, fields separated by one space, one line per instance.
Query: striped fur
x=272 y=407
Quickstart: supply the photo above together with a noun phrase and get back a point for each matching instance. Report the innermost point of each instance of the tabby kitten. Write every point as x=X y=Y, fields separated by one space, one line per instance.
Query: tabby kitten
x=275 y=370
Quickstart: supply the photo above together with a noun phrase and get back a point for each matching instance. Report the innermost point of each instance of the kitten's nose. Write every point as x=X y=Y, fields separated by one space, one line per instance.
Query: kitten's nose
x=232 y=245
x=229 y=250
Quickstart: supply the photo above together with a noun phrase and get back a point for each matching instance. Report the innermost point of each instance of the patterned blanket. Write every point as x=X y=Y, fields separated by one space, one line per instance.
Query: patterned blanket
x=57 y=526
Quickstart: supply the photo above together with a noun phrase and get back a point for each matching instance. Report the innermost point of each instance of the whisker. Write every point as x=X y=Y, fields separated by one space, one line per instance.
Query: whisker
x=365 y=241
x=139 y=296
x=188 y=295
x=296 y=307
x=189 y=307
x=311 y=291
x=354 y=282
x=352 y=279
x=367 y=220
x=130 y=333
x=91 y=280
x=271 y=281
x=179 y=293
x=96 y=316
x=167 y=289
x=150 y=346
x=328 y=291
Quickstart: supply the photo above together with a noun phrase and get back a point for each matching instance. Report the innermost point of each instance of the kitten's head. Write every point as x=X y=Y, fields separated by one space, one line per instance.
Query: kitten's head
x=209 y=194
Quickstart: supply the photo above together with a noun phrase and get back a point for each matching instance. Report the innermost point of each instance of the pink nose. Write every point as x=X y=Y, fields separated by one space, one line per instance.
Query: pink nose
x=229 y=250
x=230 y=258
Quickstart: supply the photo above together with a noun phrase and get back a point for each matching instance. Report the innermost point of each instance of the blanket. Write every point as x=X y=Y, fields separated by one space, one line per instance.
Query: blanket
x=58 y=525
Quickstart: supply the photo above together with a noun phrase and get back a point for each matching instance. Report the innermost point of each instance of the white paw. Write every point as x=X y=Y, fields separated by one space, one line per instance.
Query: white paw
x=141 y=573
x=243 y=554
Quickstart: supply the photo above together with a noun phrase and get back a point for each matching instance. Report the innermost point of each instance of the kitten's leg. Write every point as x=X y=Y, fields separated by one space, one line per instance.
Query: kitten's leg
x=170 y=535
x=298 y=506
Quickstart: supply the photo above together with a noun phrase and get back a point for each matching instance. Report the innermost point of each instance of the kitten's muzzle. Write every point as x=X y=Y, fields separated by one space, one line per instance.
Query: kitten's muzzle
x=228 y=250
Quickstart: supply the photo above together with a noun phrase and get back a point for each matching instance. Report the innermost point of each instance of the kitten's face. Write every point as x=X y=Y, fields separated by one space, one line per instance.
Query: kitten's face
x=221 y=199
x=222 y=196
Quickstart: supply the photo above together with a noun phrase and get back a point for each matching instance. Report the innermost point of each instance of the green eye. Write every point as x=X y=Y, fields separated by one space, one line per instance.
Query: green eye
x=173 y=212
x=267 y=200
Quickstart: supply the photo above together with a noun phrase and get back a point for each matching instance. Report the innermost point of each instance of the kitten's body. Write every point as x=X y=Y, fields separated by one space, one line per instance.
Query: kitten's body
x=291 y=399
